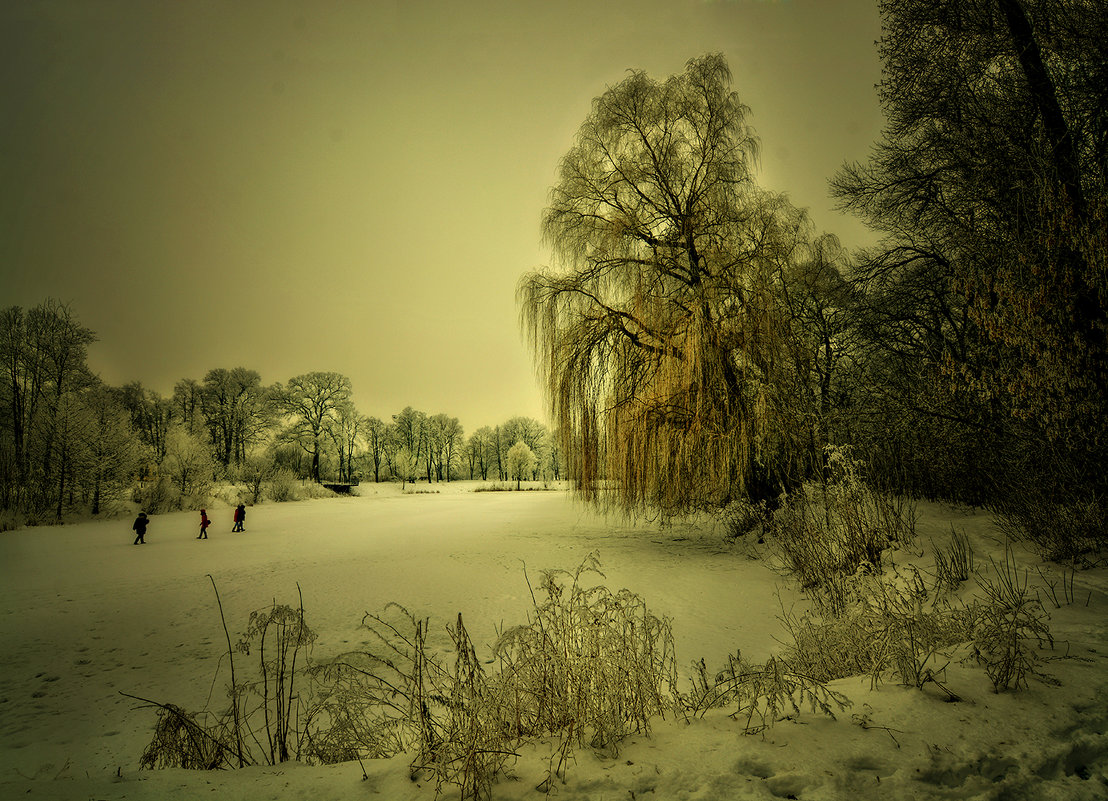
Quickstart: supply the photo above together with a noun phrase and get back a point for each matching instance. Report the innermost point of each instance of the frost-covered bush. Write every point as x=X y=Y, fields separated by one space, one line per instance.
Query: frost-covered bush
x=283 y=486
x=158 y=496
x=591 y=667
x=834 y=528
x=890 y=626
x=762 y=694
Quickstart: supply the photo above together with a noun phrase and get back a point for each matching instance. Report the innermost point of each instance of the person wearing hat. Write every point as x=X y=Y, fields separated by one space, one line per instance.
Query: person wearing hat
x=204 y=523
x=139 y=527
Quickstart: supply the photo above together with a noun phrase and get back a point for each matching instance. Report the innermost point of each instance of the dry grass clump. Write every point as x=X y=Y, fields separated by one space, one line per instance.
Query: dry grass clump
x=954 y=564
x=366 y=705
x=1011 y=628
x=835 y=528
x=591 y=667
x=279 y=637
x=891 y=626
x=180 y=741
x=494 y=487
x=762 y=694
x=1065 y=528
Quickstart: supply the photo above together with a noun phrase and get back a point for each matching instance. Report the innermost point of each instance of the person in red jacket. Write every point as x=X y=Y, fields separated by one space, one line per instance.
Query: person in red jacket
x=204 y=523
x=240 y=518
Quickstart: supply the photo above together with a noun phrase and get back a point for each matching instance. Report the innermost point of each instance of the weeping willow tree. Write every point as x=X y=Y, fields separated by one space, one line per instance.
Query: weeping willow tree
x=663 y=328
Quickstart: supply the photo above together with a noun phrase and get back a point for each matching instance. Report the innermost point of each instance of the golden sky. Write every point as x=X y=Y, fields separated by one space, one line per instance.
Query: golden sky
x=357 y=186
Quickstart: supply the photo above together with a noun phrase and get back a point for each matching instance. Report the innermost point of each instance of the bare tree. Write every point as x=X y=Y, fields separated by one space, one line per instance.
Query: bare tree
x=150 y=415
x=449 y=442
x=313 y=402
x=345 y=432
x=375 y=436
x=43 y=355
x=479 y=452
x=410 y=429
x=187 y=404
x=237 y=409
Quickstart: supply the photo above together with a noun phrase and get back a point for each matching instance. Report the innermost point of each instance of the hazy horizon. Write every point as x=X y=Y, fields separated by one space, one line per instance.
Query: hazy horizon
x=357 y=187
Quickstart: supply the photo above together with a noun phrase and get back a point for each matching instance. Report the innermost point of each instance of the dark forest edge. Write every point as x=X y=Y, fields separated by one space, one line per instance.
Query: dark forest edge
x=72 y=446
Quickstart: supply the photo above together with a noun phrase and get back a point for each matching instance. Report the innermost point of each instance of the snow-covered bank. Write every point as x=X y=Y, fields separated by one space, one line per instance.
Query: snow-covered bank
x=84 y=615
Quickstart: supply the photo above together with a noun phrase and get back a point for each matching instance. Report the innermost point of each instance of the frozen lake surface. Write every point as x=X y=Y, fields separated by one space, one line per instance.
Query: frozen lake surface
x=85 y=615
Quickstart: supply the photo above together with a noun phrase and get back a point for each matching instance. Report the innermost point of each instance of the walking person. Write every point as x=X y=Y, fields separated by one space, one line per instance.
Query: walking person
x=139 y=527
x=204 y=523
x=240 y=517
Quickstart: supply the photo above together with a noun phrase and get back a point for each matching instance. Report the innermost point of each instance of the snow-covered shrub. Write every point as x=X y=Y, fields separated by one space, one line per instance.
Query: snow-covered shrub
x=592 y=666
x=11 y=519
x=253 y=474
x=838 y=526
x=742 y=516
x=311 y=490
x=474 y=744
x=158 y=496
x=890 y=626
x=283 y=487
x=762 y=694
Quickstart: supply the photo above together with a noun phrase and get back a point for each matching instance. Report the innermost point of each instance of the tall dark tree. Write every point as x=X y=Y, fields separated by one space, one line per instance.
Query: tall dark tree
x=662 y=329
x=151 y=416
x=187 y=404
x=374 y=431
x=43 y=352
x=111 y=452
x=313 y=403
x=988 y=185
x=237 y=409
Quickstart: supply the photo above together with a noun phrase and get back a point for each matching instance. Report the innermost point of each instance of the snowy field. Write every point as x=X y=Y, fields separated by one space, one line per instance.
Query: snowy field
x=85 y=615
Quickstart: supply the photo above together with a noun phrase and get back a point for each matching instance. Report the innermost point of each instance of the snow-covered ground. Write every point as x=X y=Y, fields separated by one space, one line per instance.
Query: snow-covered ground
x=85 y=615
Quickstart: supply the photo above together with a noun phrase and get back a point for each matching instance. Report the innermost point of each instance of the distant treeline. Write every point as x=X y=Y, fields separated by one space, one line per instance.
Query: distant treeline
x=71 y=444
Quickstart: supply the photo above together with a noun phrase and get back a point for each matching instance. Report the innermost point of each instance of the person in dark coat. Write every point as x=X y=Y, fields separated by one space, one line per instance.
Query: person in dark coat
x=240 y=517
x=139 y=527
x=204 y=523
